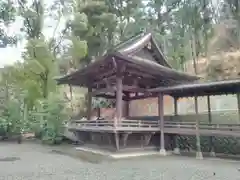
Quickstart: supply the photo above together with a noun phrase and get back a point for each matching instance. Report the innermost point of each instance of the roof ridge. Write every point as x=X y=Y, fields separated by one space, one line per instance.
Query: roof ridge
x=124 y=42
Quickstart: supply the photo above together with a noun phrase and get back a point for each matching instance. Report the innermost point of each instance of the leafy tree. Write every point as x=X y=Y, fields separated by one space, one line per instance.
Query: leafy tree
x=94 y=23
x=7 y=16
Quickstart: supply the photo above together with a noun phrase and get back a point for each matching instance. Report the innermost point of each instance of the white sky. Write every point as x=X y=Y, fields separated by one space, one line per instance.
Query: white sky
x=9 y=55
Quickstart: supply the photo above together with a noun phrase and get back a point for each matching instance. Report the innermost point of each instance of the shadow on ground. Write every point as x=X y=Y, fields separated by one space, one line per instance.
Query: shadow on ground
x=81 y=155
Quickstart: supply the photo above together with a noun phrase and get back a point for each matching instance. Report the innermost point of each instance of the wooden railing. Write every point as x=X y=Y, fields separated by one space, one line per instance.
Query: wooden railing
x=205 y=126
x=138 y=123
x=153 y=124
x=110 y=123
x=96 y=123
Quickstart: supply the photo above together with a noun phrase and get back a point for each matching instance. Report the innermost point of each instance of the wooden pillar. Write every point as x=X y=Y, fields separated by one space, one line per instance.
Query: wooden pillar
x=116 y=135
x=89 y=103
x=127 y=108
x=119 y=106
x=238 y=104
x=98 y=112
x=176 y=149
x=161 y=119
x=119 y=103
x=198 y=140
x=212 y=152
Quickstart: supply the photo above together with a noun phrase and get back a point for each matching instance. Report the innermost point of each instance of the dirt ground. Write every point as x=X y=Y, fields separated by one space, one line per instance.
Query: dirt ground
x=30 y=161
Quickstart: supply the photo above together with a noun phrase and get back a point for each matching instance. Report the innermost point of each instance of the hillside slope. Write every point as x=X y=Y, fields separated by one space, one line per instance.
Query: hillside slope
x=222 y=65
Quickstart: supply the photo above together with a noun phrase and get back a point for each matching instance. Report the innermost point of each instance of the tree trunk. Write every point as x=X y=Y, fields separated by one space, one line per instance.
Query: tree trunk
x=193 y=46
x=71 y=97
x=45 y=88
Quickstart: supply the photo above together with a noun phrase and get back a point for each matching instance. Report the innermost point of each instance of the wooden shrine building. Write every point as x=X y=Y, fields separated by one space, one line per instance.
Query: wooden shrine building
x=135 y=69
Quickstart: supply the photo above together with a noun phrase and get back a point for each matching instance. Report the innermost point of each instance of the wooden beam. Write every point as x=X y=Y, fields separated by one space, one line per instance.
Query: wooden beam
x=104 y=90
x=104 y=75
x=111 y=97
x=106 y=96
x=133 y=89
x=104 y=82
x=131 y=69
x=146 y=95
x=143 y=83
x=113 y=89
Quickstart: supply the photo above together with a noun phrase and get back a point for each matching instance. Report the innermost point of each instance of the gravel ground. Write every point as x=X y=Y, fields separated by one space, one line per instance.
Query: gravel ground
x=35 y=162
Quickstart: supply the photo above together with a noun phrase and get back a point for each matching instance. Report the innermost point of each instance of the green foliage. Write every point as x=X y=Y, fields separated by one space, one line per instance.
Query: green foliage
x=11 y=121
x=7 y=16
x=77 y=50
x=50 y=116
x=94 y=23
x=33 y=17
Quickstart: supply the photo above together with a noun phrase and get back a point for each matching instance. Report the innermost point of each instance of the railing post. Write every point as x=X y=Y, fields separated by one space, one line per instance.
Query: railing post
x=139 y=123
x=198 y=140
x=212 y=152
x=238 y=105
x=176 y=149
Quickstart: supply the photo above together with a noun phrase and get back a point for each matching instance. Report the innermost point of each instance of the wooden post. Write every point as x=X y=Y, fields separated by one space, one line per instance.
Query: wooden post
x=161 y=119
x=98 y=112
x=176 y=149
x=198 y=140
x=119 y=107
x=127 y=108
x=116 y=135
x=212 y=152
x=119 y=99
x=89 y=103
x=238 y=103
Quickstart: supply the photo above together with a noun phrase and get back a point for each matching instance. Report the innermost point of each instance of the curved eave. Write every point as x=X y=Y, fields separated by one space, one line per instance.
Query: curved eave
x=147 y=66
x=83 y=70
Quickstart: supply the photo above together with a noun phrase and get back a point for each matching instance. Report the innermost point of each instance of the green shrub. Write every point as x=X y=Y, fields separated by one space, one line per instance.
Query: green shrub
x=49 y=124
x=11 y=121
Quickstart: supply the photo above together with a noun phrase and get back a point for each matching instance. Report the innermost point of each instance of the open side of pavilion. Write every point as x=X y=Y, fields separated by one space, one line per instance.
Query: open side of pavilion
x=196 y=90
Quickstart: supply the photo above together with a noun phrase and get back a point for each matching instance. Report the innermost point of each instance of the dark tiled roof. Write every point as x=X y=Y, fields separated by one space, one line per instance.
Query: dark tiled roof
x=158 y=69
x=136 y=46
x=135 y=51
x=201 y=89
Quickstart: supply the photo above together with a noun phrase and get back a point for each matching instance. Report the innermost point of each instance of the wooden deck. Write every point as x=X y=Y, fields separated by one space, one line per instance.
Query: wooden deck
x=183 y=128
